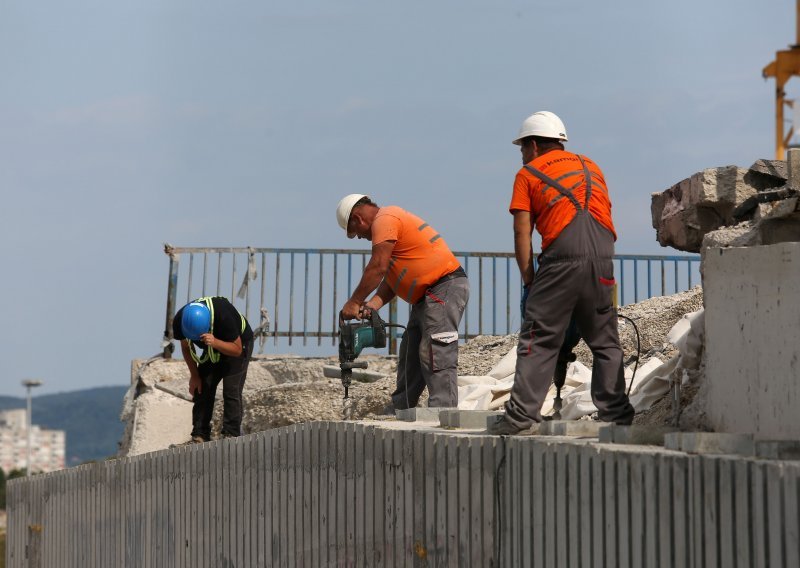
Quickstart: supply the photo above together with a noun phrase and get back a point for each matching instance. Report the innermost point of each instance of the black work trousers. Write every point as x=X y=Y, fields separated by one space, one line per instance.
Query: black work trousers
x=232 y=371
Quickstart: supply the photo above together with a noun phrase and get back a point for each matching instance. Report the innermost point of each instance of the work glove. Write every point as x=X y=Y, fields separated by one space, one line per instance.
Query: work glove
x=525 y=291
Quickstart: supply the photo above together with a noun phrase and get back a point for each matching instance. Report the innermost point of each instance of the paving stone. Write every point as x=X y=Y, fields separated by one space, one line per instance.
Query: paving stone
x=466 y=418
x=710 y=443
x=419 y=414
x=778 y=449
x=634 y=435
x=580 y=428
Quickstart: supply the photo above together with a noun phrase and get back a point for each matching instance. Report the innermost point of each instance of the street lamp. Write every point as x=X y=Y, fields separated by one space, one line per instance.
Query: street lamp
x=29 y=384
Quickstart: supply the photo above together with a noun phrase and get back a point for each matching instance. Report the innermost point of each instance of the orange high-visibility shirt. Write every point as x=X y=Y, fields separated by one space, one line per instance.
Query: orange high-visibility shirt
x=550 y=211
x=420 y=256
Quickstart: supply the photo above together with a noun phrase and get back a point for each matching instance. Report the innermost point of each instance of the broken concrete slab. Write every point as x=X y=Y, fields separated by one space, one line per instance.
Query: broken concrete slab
x=453 y=418
x=634 y=435
x=776 y=169
x=579 y=428
x=778 y=449
x=713 y=443
x=419 y=414
x=160 y=420
x=741 y=235
x=683 y=214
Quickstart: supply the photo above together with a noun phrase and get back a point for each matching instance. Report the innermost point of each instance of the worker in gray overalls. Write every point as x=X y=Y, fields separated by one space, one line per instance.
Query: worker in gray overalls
x=564 y=196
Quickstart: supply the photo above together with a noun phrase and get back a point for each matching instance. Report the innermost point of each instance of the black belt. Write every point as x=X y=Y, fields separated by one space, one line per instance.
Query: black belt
x=457 y=273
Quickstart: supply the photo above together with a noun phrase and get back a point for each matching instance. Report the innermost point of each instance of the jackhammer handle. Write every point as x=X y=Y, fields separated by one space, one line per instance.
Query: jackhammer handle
x=353 y=365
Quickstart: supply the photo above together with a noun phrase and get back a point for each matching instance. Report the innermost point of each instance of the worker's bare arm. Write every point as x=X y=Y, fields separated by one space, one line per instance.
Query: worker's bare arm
x=382 y=297
x=229 y=348
x=523 y=249
x=195 y=383
x=374 y=273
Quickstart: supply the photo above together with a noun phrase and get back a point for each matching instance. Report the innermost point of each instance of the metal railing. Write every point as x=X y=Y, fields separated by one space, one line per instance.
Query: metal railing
x=294 y=295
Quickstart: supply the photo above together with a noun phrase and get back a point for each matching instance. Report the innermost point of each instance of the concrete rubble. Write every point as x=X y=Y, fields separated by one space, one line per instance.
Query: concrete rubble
x=756 y=201
x=742 y=376
x=279 y=390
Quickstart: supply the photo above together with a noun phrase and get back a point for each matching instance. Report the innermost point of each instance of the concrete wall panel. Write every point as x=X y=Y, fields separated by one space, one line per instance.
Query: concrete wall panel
x=752 y=330
x=336 y=494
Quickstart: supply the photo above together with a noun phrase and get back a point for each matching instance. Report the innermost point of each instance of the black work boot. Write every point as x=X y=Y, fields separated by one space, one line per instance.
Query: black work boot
x=503 y=428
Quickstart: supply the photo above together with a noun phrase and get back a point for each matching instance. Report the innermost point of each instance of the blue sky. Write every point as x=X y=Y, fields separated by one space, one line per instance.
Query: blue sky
x=126 y=125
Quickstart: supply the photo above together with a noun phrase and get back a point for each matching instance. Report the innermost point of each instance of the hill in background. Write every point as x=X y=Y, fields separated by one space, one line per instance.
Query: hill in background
x=89 y=417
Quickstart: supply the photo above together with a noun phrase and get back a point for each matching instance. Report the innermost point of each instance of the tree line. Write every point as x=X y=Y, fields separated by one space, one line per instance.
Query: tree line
x=14 y=473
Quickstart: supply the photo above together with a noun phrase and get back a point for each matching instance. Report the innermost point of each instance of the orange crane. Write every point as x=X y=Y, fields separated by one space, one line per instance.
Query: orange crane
x=785 y=66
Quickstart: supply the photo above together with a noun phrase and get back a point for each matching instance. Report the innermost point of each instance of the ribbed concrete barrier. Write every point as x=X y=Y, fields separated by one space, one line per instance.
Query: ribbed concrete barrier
x=347 y=494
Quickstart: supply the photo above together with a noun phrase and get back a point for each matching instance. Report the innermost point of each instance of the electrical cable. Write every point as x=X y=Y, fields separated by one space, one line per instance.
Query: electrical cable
x=638 y=350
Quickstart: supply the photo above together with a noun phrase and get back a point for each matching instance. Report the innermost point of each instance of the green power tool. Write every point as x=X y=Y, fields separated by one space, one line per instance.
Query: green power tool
x=353 y=337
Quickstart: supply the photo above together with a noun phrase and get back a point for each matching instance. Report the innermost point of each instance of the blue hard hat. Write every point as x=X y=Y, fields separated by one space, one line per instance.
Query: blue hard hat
x=196 y=320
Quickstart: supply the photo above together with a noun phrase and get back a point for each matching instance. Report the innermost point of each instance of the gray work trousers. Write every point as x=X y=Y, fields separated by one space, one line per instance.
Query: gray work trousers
x=575 y=281
x=429 y=348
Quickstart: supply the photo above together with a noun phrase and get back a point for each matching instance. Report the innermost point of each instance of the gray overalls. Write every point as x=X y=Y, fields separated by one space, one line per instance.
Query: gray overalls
x=575 y=278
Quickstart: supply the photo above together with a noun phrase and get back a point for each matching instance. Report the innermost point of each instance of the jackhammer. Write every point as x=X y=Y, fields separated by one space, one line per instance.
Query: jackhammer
x=566 y=356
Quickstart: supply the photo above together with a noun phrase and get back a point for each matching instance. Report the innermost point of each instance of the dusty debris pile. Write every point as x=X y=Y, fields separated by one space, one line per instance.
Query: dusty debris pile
x=280 y=405
x=279 y=390
x=283 y=390
x=654 y=319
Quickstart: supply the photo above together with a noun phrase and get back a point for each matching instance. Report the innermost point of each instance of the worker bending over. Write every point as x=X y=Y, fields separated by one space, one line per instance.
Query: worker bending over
x=226 y=341
x=410 y=260
x=563 y=195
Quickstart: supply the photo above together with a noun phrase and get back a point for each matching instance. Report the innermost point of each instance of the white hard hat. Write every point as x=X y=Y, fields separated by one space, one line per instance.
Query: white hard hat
x=345 y=207
x=543 y=123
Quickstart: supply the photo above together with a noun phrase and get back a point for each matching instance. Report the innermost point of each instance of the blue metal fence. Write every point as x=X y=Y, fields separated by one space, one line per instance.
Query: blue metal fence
x=292 y=296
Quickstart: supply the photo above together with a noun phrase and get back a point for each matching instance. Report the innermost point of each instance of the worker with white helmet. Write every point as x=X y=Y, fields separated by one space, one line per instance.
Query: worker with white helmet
x=410 y=260
x=225 y=339
x=564 y=196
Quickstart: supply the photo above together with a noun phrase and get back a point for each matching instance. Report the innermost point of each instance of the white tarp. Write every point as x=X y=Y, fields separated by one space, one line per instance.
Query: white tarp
x=489 y=392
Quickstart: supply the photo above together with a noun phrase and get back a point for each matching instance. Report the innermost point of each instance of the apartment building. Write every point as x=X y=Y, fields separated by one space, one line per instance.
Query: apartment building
x=48 y=447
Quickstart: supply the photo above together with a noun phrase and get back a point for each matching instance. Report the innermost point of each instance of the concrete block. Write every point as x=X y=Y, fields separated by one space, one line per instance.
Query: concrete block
x=778 y=449
x=634 y=435
x=419 y=414
x=710 y=443
x=793 y=167
x=674 y=441
x=453 y=418
x=748 y=295
x=775 y=169
x=579 y=428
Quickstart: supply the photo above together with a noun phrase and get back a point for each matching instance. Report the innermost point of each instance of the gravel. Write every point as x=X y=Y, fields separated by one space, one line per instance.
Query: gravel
x=654 y=318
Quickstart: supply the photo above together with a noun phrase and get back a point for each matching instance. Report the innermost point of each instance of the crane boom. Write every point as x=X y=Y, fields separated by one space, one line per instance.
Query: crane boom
x=785 y=66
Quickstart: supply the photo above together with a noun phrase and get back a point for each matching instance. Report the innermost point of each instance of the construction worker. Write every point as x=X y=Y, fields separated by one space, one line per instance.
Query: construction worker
x=224 y=336
x=564 y=196
x=410 y=260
